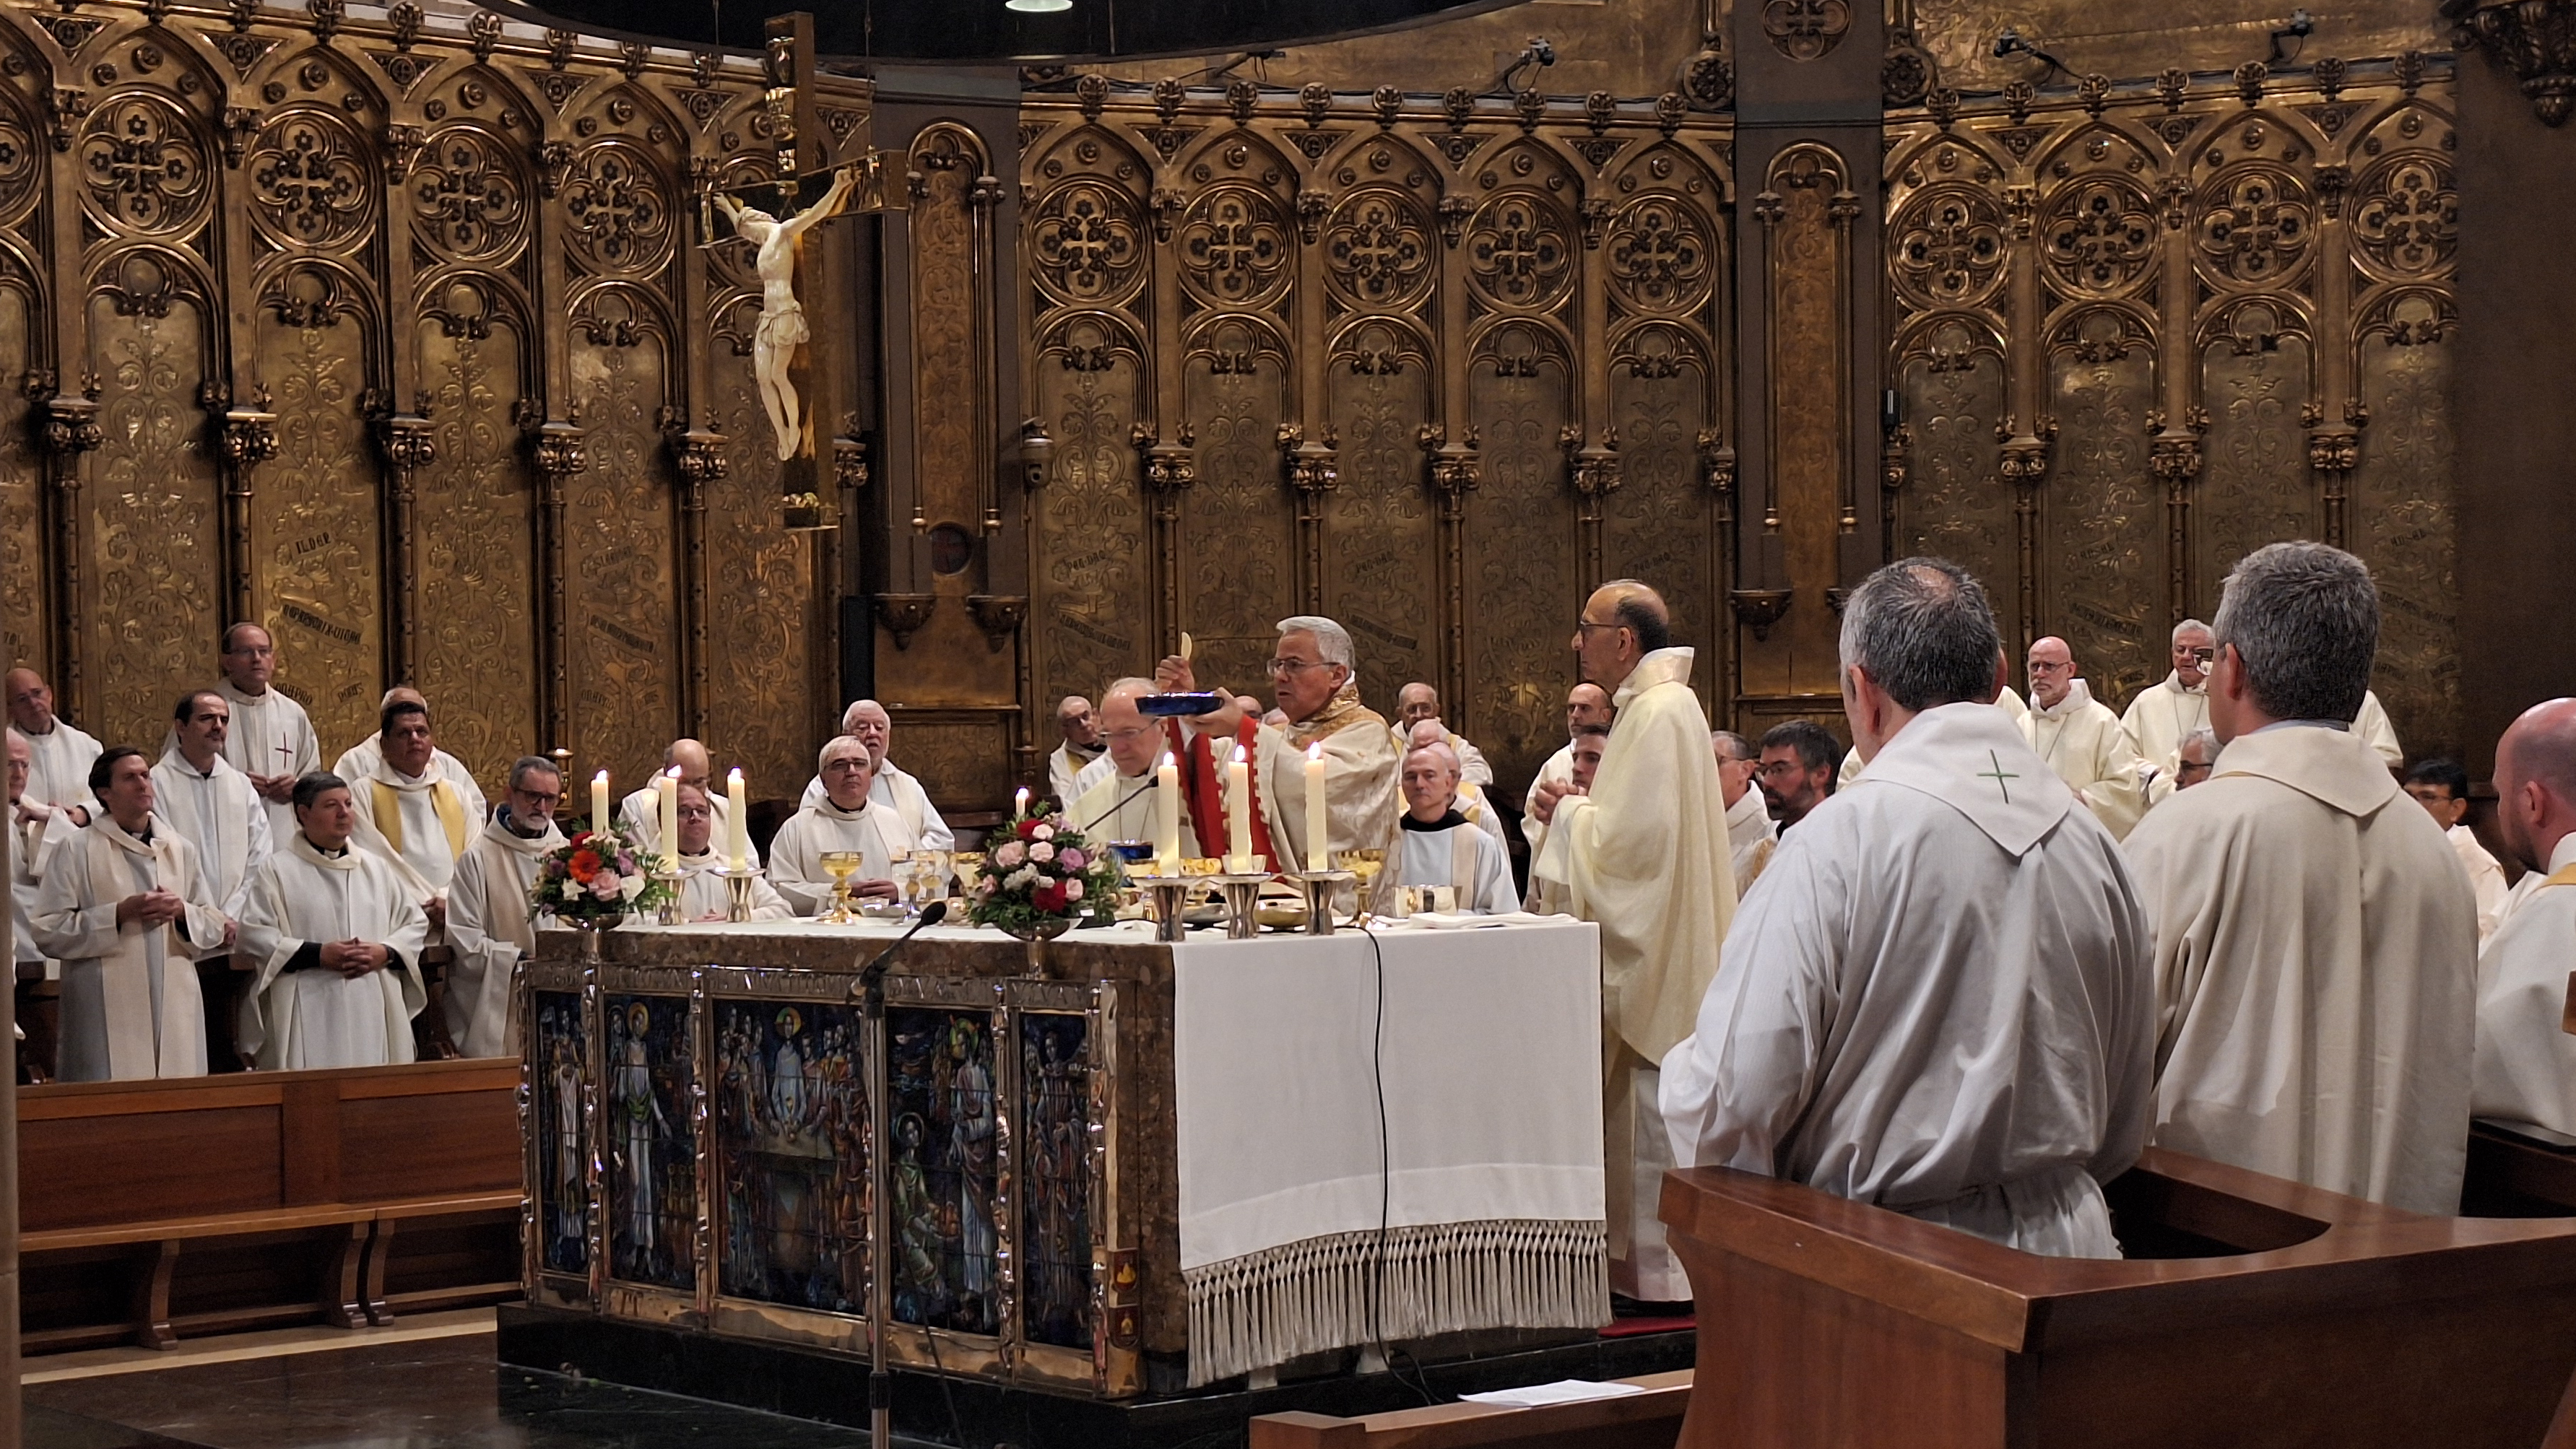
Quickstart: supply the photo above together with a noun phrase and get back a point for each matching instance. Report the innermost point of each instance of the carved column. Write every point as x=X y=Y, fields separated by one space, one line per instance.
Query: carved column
x=1454 y=474
x=697 y=458
x=2334 y=439
x=249 y=439
x=410 y=445
x=69 y=427
x=1593 y=469
x=2023 y=463
x=1717 y=474
x=2333 y=454
x=2173 y=449
x=559 y=450
x=1170 y=470
x=1314 y=470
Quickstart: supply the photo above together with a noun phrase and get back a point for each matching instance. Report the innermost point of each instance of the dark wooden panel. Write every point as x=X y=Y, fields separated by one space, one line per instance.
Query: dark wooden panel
x=78 y=1172
x=393 y=1147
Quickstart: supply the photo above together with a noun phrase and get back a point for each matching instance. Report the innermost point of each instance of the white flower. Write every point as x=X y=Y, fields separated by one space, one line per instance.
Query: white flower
x=630 y=886
x=1021 y=879
x=1041 y=852
x=572 y=890
x=1043 y=832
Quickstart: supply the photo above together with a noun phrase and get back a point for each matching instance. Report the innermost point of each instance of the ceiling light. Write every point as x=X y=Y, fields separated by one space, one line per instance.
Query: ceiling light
x=1037 y=7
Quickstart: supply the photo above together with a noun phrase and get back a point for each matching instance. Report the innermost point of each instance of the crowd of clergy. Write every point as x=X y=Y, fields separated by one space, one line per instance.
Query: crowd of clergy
x=1965 y=968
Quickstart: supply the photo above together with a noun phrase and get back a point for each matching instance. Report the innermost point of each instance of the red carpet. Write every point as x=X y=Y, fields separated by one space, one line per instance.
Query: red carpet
x=1633 y=1327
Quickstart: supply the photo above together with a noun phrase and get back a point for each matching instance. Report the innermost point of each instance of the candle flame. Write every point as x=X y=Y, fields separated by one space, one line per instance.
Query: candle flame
x=673 y=774
x=1168 y=760
x=1315 y=751
x=734 y=776
x=600 y=779
x=1239 y=756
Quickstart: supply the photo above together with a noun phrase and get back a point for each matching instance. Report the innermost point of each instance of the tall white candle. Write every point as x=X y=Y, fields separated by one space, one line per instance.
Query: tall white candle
x=1020 y=803
x=1167 y=817
x=1319 y=858
x=737 y=824
x=599 y=801
x=669 y=785
x=1238 y=814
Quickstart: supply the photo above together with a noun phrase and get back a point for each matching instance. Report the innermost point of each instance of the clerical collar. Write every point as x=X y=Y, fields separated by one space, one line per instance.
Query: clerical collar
x=511 y=824
x=326 y=852
x=208 y=772
x=2344 y=725
x=1088 y=752
x=1450 y=821
x=829 y=808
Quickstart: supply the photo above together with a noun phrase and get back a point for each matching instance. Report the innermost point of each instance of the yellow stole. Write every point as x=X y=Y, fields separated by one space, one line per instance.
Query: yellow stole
x=2564 y=877
x=442 y=798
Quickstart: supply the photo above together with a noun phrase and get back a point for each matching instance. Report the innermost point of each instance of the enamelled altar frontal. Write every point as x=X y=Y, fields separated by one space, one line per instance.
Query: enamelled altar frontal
x=1153 y=1167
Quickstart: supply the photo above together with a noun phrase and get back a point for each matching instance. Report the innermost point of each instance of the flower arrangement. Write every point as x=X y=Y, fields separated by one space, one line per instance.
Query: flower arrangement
x=594 y=878
x=1042 y=871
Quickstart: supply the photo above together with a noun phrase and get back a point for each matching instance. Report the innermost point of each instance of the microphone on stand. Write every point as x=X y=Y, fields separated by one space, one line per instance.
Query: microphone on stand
x=872 y=976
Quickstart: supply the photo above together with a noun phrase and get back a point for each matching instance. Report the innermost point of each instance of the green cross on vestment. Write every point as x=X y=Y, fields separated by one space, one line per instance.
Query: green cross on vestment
x=1998 y=774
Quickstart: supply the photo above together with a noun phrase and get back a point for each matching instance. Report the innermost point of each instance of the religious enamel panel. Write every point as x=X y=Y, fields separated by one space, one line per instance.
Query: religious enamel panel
x=562 y=1187
x=1076 y=1320
x=948 y=1168
x=650 y=1140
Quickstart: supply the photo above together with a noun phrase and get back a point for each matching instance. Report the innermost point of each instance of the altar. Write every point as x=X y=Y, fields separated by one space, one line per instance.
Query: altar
x=1150 y=1168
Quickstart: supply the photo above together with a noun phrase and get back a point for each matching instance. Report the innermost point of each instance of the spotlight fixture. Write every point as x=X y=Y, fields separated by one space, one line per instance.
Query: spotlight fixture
x=1037 y=7
x=2301 y=26
x=2010 y=43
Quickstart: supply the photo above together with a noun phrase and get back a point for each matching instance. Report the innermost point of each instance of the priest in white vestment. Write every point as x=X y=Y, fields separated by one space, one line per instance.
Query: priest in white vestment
x=2082 y=740
x=2371 y=726
x=2316 y=938
x=1645 y=855
x=1417 y=703
x=1314 y=671
x=704 y=894
x=359 y=761
x=125 y=908
x=2526 y=1061
x=63 y=754
x=850 y=818
x=415 y=811
x=1751 y=835
x=1440 y=846
x=199 y=793
x=2441 y=786
x=867 y=722
x=1585 y=704
x=488 y=925
x=33 y=834
x=271 y=739
x=1472 y=803
x=1115 y=796
x=2195 y=757
x=1938 y=999
x=1078 y=727
x=2164 y=713
x=639 y=813
x=2005 y=699
x=335 y=932
x=1547 y=897
x=1796 y=773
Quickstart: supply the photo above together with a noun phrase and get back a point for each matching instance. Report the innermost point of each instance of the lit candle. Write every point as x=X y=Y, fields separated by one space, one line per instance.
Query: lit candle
x=1020 y=803
x=1238 y=814
x=1167 y=817
x=669 y=785
x=599 y=801
x=1318 y=858
x=737 y=824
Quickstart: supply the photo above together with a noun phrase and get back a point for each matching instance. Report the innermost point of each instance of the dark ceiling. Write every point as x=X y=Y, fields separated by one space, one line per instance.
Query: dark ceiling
x=971 y=31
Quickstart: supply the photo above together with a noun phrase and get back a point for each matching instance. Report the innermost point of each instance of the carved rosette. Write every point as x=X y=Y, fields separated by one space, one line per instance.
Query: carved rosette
x=69 y=427
x=1806 y=29
x=2023 y=458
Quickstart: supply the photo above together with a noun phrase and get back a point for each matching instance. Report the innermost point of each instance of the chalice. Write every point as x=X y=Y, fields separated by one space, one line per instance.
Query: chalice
x=840 y=865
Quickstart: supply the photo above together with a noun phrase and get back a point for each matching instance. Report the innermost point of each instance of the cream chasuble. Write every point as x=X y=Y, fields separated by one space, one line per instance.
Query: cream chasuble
x=1645 y=854
x=2007 y=701
x=1112 y=806
x=1065 y=767
x=1937 y=1001
x=131 y=1006
x=1360 y=773
x=2316 y=972
x=2526 y=1061
x=489 y=930
x=301 y=1014
x=2372 y=728
x=704 y=896
x=1460 y=856
x=1560 y=768
x=270 y=735
x=1751 y=837
x=60 y=775
x=2083 y=741
x=2486 y=879
x=221 y=815
x=900 y=793
x=2157 y=720
x=796 y=853
x=30 y=845
x=419 y=824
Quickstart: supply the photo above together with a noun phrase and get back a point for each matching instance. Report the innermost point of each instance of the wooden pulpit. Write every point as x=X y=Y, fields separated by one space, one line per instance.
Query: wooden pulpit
x=2250 y=1311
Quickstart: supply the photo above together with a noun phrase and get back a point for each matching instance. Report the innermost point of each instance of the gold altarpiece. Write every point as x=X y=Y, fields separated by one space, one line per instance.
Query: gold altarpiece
x=396 y=337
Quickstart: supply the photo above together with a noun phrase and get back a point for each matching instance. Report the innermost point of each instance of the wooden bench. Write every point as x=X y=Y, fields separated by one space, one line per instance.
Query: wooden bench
x=1630 y=1421
x=446 y=1282
x=336 y=1233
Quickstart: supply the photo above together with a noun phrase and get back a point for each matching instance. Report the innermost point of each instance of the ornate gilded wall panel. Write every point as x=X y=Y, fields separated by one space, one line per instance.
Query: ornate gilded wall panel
x=624 y=622
x=1521 y=597
x=2254 y=485
x=1658 y=521
x=950 y=328
x=156 y=603
x=315 y=540
x=2405 y=527
x=759 y=670
x=23 y=605
x=1955 y=505
x=477 y=559
x=1806 y=208
x=1090 y=567
x=2105 y=547
x=1237 y=579
x=1384 y=585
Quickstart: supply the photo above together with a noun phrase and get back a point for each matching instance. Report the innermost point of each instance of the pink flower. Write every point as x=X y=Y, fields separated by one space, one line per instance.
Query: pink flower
x=1010 y=855
x=1043 y=832
x=604 y=885
x=1073 y=890
x=1041 y=852
x=1070 y=858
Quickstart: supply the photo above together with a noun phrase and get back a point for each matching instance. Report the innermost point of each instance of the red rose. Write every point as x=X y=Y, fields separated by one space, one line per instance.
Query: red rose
x=1028 y=829
x=1048 y=897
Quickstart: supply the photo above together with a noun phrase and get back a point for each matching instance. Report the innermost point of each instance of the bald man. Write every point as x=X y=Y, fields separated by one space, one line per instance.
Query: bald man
x=2526 y=1064
x=1440 y=847
x=639 y=815
x=2082 y=740
x=868 y=722
x=60 y=779
x=1114 y=797
x=1418 y=702
x=1645 y=856
x=1585 y=704
x=1078 y=727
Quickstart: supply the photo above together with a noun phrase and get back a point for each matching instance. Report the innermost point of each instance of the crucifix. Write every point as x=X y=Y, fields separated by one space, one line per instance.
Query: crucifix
x=772 y=219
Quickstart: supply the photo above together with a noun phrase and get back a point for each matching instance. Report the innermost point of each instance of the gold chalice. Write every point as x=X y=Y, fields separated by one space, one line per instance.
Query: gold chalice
x=840 y=865
x=1365 y=865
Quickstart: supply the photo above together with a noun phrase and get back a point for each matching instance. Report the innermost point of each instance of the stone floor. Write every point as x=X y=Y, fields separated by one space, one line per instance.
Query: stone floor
x=438 y=1393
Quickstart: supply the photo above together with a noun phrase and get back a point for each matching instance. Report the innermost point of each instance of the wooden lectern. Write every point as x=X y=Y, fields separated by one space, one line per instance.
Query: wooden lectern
x=2250 y=1311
